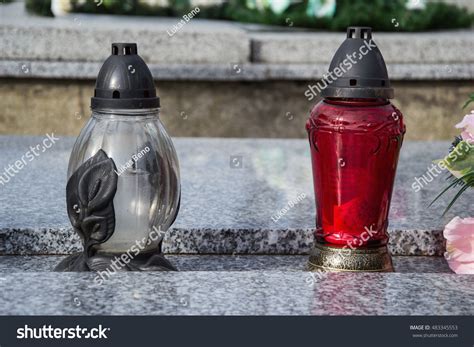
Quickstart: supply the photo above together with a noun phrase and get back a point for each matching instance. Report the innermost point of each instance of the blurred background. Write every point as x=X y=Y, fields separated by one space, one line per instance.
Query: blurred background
x=237 y=68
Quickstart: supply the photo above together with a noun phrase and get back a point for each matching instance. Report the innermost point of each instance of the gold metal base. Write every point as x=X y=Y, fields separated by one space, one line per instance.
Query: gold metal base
x=326 y=258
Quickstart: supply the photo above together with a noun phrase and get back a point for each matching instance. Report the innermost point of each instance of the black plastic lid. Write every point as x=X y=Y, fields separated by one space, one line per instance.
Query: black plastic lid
x=124 y=81
x=366 y=74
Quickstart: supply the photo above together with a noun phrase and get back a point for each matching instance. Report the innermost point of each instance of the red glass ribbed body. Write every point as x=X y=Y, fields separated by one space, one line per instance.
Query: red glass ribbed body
x=355 y=144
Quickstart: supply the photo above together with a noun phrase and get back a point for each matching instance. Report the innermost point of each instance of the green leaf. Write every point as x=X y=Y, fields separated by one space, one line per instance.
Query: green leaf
x=471 y=99
x=456 y=181
x=460 y=161
x=462 y=190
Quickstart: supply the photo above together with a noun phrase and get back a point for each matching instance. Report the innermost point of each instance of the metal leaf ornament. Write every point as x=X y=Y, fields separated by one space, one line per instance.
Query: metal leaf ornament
x=89 y=193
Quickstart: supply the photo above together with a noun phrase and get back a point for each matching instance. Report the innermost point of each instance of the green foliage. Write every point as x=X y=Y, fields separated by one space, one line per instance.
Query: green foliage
x=236 y=11
x=381 y=15
x=294 y=16
x=471 y=99
x=466 y=181
x=436 y=15
x=460 y=164
x=41 y=7
x=384 y=15
x=119 y=6
x=126 y=7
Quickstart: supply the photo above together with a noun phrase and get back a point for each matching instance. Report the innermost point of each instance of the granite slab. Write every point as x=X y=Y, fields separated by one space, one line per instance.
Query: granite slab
x=203 y=262
x=218 y=217
x=30 y=37
x=416 y=47
x=236 y=293
x=234 y=71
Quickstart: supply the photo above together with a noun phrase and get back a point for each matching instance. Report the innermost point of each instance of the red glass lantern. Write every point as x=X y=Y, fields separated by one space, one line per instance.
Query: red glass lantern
x=355 y=136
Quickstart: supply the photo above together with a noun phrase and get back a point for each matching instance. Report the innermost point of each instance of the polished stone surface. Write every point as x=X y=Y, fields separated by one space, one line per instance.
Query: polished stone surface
x=235 y=285
x=232 y=190
x=236 y=293
x=402 y=264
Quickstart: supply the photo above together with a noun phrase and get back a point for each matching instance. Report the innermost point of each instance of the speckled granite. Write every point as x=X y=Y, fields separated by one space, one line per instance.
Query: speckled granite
x=235 y=285
x=226 y=208
x=218 y=241
x=31 y=37
x=236 y=293
x=407 y=264
x=224 y=72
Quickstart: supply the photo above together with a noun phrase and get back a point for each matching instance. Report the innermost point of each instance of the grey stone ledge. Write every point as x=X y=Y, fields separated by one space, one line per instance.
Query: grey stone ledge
x=218 y=284
x=81 y=37
x=87 y=38
x=216 y=241
x=442 y=47
x=216 y=217
x=218 y=262
x=227 y=72
x=236 y=293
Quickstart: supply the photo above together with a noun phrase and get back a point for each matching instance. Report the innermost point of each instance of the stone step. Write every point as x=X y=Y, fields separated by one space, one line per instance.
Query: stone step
x=217 y=217
x=23 y=68
x=210 y=50
x=219 y=262
x=236 y=293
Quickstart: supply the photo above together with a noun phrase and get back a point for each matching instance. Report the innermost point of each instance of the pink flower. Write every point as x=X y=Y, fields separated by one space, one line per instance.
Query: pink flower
x=459 y=235
x=467 y=124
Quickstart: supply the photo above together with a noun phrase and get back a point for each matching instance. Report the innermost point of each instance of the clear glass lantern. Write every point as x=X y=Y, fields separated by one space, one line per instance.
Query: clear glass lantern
x=148 y=188
x=123 y=189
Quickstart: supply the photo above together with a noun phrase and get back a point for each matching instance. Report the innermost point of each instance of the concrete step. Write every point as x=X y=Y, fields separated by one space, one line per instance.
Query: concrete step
x=73 y=46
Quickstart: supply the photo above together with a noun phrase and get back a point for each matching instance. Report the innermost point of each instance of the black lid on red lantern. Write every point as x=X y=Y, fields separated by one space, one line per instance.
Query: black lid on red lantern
x=124 y=81
x=358 y=69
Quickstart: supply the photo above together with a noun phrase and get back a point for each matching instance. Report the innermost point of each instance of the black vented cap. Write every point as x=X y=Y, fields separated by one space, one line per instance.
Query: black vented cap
x=367 y=77
x=124 y=81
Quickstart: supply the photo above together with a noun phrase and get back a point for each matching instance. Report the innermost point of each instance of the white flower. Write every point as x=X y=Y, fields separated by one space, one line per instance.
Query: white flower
x=279 y=6
x=467 y=124
x=415 y=4
x=60 y=7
